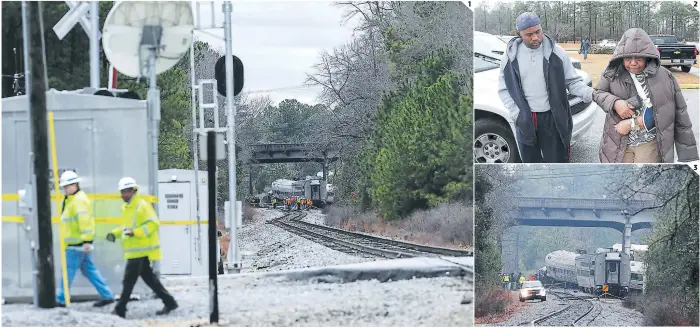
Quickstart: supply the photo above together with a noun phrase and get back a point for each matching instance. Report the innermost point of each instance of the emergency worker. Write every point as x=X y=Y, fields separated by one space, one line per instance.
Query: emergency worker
x=506 y=281
x=532 y=277
x=79 y=233
x=141 y=243
x=522 y=280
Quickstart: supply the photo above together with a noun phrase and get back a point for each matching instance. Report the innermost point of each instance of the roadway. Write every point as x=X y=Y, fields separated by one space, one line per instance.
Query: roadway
x=586 y=149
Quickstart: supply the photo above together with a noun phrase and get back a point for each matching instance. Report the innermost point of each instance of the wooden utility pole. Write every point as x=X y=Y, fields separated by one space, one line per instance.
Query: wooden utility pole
x=40 y=147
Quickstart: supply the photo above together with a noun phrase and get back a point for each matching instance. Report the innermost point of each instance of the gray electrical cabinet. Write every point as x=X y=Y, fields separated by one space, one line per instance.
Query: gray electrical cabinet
x=184 y=243
x=103 y=139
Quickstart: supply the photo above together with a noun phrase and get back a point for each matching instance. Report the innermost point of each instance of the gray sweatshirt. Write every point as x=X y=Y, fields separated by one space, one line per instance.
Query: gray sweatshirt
x=530 y=64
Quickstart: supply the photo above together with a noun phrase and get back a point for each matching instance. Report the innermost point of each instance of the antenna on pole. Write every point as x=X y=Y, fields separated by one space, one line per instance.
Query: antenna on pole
x=144 y=39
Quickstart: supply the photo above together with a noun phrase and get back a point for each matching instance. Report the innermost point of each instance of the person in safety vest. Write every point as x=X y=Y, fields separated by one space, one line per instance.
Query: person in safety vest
x=139 y=235
x=78 y=226
x=506 y=281
x=522 y=280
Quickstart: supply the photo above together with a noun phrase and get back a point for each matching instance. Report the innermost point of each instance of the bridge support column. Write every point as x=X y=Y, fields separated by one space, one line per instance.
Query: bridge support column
x=509 y=245
x=627 y=233
x=325 y=169
x=250 y=180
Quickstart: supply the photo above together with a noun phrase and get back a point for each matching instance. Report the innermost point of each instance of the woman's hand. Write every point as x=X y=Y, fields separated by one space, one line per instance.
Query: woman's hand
x=623 y=109
x=623 y=128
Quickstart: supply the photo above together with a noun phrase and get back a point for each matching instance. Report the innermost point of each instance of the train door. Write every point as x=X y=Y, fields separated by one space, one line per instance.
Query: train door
x=612 y=272
x=316 y=192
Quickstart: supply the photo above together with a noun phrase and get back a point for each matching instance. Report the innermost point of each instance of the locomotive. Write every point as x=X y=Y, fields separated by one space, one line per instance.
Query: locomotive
x=314 y=189
x=590 y=271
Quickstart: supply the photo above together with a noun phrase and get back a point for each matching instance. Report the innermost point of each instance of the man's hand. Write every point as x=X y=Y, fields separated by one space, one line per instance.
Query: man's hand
x=623 y=127
x=87 y=248
x=129 y=232
x=110 y=237
x=623 y=109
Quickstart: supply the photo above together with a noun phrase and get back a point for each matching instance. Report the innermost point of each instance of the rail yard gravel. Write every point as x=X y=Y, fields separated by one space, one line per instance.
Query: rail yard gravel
x=266 y=301
x=265 y=247
x=533 y=311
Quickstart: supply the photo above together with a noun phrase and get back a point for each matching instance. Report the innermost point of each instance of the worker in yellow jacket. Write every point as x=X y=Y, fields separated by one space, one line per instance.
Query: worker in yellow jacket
x=139 y=235
x=78 y=226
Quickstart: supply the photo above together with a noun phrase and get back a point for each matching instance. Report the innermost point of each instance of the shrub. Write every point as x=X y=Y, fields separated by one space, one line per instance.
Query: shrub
x=491 y=301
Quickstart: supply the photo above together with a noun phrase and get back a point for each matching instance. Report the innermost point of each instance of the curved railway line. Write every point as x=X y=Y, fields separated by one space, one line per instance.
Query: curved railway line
x=579 y=311
x=359 y=244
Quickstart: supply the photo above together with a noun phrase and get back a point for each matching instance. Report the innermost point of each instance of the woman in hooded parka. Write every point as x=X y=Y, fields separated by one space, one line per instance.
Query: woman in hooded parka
x=647 y=118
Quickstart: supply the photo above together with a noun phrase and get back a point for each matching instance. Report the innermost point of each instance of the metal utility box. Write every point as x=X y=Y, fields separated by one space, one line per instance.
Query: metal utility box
x=185 y=245
x=103 y=139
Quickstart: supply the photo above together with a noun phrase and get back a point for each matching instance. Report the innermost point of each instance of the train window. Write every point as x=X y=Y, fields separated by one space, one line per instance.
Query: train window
x=612 y=267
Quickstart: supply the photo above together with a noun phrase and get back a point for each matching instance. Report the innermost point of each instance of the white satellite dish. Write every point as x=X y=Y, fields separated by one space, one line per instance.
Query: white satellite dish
x=124 y=28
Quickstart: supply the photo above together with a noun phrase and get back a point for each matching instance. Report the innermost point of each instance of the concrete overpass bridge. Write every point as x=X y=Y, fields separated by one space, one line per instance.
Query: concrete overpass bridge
x=292 y=153
x=623 y=216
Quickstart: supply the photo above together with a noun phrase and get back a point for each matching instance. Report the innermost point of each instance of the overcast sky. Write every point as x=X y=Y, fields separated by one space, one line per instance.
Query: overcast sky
x=279 y=42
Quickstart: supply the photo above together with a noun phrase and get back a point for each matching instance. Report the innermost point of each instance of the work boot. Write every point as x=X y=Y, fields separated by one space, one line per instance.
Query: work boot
x=119 y=312
x=167 y=309
x=102 y=303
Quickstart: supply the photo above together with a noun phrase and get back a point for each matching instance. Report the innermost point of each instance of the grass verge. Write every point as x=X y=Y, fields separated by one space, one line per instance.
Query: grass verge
x=448 y=225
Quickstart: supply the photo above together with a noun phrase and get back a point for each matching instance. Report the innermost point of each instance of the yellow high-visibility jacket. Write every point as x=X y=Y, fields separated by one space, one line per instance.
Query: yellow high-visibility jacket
x=78 y=223
x=506 y=278
x=139 y=216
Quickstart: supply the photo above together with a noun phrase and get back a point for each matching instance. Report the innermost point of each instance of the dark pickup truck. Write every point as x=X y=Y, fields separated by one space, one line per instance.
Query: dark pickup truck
x=674 y=53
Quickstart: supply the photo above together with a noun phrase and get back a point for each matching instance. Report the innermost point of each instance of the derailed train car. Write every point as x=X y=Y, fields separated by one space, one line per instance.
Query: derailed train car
x=591 y=271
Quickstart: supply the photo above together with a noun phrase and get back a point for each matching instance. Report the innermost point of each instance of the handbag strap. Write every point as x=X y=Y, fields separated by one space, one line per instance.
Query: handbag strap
x=640 y=91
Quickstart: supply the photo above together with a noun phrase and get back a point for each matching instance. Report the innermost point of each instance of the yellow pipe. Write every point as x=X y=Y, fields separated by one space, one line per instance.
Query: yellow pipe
x=54 y=160
x=148 y=198
x=104 y=220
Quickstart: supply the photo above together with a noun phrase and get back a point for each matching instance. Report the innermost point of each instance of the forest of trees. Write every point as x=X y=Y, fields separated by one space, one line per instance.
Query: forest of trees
x=396 y=100
x=672 y=260
x=595 y=20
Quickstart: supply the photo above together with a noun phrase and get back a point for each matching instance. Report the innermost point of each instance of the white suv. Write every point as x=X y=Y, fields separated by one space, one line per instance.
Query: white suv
x=494 y=130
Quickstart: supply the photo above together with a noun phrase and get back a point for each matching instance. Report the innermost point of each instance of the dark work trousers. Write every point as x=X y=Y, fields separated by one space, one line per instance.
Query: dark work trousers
x=548 y=148
x=142 y=267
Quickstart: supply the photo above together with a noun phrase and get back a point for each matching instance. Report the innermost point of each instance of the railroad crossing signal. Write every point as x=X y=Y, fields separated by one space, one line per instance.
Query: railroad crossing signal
x=605 y=288
x=76 y=14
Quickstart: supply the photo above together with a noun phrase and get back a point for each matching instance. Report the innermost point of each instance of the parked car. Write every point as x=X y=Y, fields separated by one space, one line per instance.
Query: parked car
x=674 y=53
x=607 y=44
x=532 y=290
x=494 y=130
x=485 y=39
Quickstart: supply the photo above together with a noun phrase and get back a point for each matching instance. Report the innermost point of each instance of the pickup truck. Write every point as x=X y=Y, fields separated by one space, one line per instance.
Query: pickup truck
x=674 y=53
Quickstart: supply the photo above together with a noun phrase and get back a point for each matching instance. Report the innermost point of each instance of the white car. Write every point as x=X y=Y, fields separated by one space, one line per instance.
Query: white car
x=484 y=40
x=494 y=130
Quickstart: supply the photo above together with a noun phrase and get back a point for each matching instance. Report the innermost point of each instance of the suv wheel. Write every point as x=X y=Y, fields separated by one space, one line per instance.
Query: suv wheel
x=685 y=69
x=494 y=142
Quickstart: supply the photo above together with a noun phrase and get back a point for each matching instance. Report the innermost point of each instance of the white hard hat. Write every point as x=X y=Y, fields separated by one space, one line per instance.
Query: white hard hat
x=68 y=178
x=127 y=182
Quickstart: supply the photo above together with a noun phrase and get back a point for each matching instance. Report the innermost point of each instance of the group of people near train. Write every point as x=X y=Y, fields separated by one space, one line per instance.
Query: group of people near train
x=514 y=281
x=293 y=203
x=646 y=119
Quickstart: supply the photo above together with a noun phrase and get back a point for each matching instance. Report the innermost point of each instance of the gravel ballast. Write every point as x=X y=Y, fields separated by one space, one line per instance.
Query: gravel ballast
x=259 y=300
x=612 y=313
x=265 y=301
x=265 y=247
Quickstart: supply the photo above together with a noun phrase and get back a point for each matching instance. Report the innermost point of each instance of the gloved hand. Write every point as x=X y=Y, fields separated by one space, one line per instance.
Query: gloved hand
x=111 y=237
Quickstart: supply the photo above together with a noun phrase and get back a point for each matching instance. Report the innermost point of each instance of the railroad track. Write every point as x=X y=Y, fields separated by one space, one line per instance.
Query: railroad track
x=578 y=312
x=359 y=244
